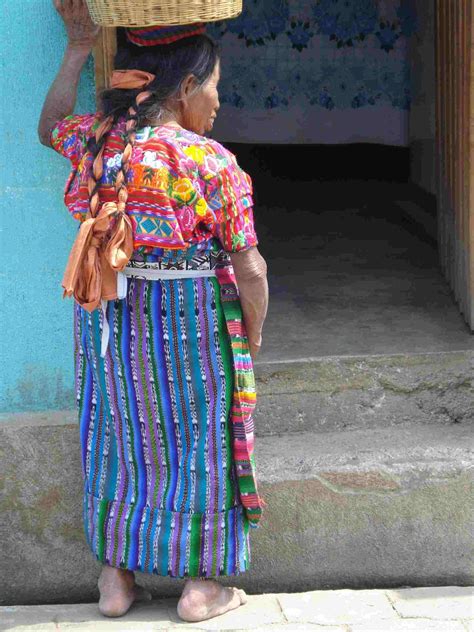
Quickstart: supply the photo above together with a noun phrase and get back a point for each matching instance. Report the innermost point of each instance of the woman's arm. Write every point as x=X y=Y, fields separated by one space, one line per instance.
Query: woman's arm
x=61 y=97
x=250 y=271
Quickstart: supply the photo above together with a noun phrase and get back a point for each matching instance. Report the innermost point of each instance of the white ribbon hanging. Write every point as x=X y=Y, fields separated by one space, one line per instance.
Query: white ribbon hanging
x=150 y=274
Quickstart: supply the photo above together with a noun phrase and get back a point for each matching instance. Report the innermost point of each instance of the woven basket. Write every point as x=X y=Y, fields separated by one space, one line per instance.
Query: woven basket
x=158 y=12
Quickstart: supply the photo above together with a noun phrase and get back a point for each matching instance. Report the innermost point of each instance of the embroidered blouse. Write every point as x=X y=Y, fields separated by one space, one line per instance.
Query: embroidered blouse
x=183 y=188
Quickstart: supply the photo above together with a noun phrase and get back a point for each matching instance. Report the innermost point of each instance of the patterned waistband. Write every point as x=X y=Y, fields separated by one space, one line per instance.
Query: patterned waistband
x=150 y=272
x=208 y=260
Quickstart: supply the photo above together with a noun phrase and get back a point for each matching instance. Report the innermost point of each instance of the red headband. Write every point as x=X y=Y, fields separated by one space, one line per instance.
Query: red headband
x=156 y=35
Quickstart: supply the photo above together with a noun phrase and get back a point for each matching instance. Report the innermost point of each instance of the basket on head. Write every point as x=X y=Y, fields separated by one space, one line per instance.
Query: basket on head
x=151 y=12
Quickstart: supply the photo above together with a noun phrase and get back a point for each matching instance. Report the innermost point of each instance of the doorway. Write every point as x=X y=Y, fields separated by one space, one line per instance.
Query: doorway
x=369 y=245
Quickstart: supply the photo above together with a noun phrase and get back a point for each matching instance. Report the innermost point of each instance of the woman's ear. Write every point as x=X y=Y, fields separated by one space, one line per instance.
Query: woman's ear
x=188 y=86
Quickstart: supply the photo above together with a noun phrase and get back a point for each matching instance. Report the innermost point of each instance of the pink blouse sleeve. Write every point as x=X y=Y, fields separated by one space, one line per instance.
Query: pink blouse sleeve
x=229 y=196
x=69 y=136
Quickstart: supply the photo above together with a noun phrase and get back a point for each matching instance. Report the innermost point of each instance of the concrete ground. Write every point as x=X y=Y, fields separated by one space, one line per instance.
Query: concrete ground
x=351 y=274
x=440 y=609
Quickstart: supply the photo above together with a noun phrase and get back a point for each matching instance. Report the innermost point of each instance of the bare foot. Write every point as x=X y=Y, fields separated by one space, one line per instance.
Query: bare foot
x=118 y=591
x=202 y=600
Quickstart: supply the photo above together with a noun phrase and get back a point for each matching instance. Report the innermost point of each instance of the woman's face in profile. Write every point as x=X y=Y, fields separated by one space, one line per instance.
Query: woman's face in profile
x=201 y=106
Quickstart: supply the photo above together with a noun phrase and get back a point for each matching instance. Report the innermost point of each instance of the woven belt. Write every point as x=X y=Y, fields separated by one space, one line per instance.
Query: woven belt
x=149 y=272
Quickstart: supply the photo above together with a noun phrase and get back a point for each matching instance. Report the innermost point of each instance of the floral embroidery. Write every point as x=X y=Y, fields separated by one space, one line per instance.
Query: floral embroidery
x=196 y=153
x=212 y=166
x=183 y=189
x=238 y=238
x=150 y=159
x=201 y=207
x=147 y=176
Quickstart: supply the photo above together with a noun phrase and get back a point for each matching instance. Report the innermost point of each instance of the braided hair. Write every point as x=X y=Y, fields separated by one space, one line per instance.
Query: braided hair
x=171 y=64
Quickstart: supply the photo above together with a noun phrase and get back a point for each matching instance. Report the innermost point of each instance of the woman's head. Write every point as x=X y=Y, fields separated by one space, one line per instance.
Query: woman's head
x=185 y=86
x=184 y=89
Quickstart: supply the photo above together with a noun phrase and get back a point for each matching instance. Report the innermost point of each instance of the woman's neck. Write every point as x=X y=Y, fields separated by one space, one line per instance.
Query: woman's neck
x=168 y=118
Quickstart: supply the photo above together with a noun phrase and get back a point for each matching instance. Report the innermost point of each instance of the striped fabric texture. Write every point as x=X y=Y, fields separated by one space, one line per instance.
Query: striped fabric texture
x=166 y=429
x=244 y=397
x=163 y=34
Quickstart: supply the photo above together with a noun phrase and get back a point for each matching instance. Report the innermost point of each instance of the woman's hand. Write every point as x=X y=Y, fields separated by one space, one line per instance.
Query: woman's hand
x=254 y=346
x=81 y=30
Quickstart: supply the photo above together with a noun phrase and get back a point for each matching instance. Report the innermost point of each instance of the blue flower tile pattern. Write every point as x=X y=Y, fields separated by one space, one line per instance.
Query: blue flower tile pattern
x=330 y=54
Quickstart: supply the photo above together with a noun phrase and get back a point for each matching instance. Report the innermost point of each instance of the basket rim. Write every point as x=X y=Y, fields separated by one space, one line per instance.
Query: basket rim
x=97 y=10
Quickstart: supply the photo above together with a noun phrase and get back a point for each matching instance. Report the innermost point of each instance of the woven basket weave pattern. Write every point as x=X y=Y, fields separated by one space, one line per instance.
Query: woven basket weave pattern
x=161 y=12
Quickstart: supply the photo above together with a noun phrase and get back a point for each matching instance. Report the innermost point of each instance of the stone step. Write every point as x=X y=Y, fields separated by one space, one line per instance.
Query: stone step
x=348 y=392
x=422 y=217
x=365 y=508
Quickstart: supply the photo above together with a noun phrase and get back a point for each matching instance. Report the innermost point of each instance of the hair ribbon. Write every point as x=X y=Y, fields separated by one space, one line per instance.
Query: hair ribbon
x=130 y=79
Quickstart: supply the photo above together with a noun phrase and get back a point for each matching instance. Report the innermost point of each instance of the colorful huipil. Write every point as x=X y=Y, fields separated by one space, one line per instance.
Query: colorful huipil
x=166 y=417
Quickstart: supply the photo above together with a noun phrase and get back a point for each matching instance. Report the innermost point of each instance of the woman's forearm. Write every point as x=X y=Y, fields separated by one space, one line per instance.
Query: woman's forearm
x=61 y=97
x=250 y=271
x=81 y=35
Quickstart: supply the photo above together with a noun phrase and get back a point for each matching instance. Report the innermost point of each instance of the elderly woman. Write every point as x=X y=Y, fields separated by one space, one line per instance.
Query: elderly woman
x=170 y=297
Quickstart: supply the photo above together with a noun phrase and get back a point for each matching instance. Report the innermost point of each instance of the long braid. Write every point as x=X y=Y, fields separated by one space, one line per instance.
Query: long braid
x=97 y=149
x=98 y=163
x=130 y=136
x=104 y=244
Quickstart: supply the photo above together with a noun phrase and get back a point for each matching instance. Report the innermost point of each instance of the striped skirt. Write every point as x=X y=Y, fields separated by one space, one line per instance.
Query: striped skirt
x=166 y=429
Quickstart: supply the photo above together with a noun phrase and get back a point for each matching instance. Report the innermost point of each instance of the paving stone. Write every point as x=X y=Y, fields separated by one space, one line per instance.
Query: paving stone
x=336 y=606
x=142 y=617
x=443 y=602
x=260 y=610
x=155 y=612
x=435 y=609
x=39 y=627
x=301 y=627
x=408 y=625
x=112 y=626
x=27 y=615
x=184 y=627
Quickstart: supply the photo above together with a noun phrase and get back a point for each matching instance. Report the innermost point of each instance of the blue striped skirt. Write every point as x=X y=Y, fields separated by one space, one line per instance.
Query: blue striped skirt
x=160 y=485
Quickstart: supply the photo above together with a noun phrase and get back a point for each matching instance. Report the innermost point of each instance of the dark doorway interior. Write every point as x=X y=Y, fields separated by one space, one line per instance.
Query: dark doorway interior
x=352 y=253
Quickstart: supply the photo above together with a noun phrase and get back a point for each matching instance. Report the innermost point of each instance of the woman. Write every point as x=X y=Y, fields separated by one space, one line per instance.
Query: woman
x=170 y=299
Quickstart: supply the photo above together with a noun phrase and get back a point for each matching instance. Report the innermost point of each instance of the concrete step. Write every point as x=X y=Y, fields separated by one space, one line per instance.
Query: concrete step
x=365 y=508
x=348 y=392
x=422 y=217
x=325 y=394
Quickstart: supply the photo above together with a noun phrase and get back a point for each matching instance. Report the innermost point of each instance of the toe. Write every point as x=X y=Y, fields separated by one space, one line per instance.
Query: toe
x=242 y=595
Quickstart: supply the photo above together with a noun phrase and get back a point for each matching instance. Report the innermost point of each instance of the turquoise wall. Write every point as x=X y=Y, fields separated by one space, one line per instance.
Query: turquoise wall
x=37 y=232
